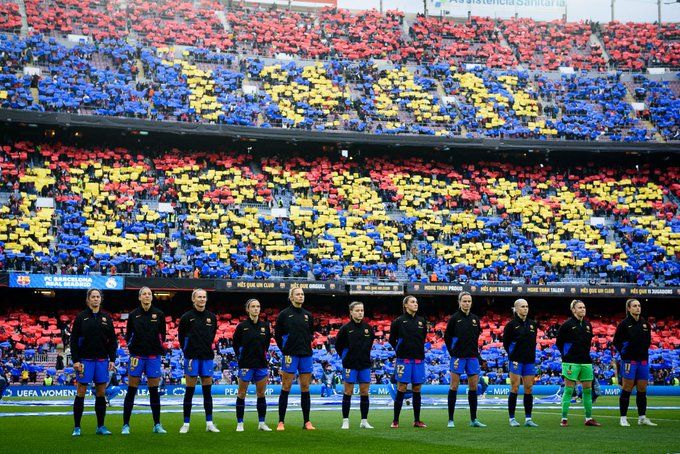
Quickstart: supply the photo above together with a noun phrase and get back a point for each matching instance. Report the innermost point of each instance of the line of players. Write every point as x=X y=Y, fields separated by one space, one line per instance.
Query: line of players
x=94 y=344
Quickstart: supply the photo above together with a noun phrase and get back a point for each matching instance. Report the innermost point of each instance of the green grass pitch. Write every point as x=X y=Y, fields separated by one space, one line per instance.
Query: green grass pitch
x=28 y=434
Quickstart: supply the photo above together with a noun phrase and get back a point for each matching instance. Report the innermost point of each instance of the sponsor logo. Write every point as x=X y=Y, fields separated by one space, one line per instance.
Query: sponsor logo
x=111 y=283
x=24 y=280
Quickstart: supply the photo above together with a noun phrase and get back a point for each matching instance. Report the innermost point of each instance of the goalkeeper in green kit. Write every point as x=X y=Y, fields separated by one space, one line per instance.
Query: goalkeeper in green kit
x=573 y=340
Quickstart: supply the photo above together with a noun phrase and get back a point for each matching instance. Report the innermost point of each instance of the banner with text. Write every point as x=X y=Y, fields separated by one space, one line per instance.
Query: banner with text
x=495 y=5
x=301 y=3
x=280 y=286
x=60 y=281
x=376 y=289
x=441 y=288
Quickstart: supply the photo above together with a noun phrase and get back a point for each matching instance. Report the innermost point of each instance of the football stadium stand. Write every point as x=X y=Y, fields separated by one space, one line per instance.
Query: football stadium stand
x=399 y=219
x=82 y=207
x=330 y=70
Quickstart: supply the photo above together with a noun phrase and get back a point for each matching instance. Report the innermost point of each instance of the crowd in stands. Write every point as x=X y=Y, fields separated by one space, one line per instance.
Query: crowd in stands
x=339 y=33
x=475 y=41
x=10 y=19
x=98 y=19
x=114 y=78
x=378 y=217
x=214 y=75
x=25 y=338
x=550 y=45
x=375 y=218
x=634 y=46
x=662 y=106
x=186 y=23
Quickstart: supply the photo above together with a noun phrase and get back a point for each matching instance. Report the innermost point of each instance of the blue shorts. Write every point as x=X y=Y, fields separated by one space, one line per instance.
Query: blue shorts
x=94 y=370
x=410 y=371
x=469 y=366
x=357 y=375
x=253 y=375
x=199 y=367
x=300 y=364
x=635 y=370
x=522 y=369
x=148 y=365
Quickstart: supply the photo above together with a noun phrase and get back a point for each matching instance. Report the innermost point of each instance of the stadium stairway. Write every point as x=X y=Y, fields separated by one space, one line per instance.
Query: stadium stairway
x=646 y=123
x=284 y=195
x=255 y=167
x=675 y=87
x=141 y=76
x=504 y=42
x=223 y=20
x=286 y=199
x=401 y=270
x=649 y=125
x=35 y=95
x=405 y=26
x=24 y=18
x=671 y=197
x=440 y=89
x=46 y=363
x=401 y=267
x=595 y=39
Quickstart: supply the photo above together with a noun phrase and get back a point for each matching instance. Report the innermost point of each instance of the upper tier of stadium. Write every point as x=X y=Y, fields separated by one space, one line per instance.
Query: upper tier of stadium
x=232 y=215
x=331 y=70
x=342 y=34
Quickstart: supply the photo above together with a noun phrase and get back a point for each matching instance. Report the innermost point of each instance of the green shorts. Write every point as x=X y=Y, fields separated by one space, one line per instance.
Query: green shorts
x=577 y=372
